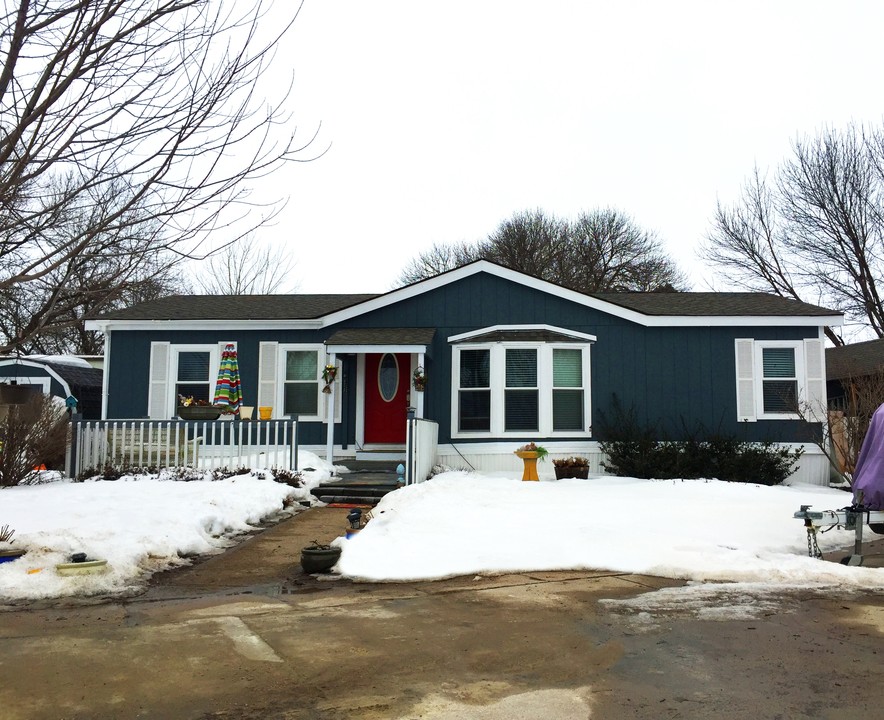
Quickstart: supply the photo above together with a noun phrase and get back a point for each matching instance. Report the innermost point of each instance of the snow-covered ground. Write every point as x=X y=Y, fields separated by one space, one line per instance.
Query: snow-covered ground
x=455 y=524
x=704 y=530
x=140 y=526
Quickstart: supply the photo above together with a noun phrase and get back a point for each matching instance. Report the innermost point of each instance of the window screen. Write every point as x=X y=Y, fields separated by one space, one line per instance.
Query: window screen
x=193 y=379
x=780 y=381
x=567 y=389
x=521 y=395
x=301 y=388
x=474 y=395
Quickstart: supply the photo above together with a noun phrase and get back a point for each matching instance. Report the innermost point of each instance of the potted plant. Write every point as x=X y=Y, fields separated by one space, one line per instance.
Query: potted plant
x=419 y=379
x=571 y=467
x=530 y=454
x=190 y=409
x=318 y=558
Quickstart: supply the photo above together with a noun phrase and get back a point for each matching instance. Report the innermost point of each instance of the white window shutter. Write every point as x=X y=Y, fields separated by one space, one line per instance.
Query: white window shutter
x=158 y=390
x=815 y=379
x=745 y=349
x=267 y=376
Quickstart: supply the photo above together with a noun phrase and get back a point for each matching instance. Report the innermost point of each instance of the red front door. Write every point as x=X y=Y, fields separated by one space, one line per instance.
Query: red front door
x=386 y=397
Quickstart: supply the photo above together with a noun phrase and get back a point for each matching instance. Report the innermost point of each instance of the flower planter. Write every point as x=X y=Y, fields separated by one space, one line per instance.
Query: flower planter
x=10 y=555
x=319 y=559
x=198 y=412
x=84 y=567
x=529 y=457
x=581 y=472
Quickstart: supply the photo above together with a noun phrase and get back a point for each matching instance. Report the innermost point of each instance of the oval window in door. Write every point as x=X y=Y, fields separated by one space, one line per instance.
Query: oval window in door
x=388 y=377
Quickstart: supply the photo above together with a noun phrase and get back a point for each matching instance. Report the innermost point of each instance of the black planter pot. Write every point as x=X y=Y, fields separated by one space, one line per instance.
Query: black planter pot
x=198 y=412
x=572 y=472
x=319 y=559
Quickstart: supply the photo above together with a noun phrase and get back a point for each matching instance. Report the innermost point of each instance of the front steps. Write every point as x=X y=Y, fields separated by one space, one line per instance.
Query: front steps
x=365 y=484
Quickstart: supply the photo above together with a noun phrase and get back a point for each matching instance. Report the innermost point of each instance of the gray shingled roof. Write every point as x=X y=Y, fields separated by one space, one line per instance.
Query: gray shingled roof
x=308 y=307
x=865 y=358
x=237 y=307
x=382 y=336
x=703 y=304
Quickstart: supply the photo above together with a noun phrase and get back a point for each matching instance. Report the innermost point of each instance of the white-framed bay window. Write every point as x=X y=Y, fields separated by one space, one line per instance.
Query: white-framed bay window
x=519 y=389
x=290 y=381
x=780 y=379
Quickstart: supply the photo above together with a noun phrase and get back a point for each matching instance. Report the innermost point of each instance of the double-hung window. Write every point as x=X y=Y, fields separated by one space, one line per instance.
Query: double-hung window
x=568 y=392
x=474 y=390
x=519 y=389
x=195 y=371
x=301 y=383
x=780 y=379
x=521 y=396
x=290 y=380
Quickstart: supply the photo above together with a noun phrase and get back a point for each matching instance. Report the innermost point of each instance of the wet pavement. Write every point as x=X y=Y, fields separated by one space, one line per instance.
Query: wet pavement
x=247 y=634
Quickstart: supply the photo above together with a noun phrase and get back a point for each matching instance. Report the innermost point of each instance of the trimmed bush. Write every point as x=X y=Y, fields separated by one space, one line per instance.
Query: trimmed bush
x=641 y=451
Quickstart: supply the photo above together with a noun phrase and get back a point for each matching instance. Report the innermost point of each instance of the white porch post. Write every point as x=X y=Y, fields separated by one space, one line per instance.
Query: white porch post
x=330 y=418
x=419 y=405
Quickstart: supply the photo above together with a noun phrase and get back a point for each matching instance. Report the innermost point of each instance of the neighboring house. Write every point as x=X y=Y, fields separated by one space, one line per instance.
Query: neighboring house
x=855 y=388
x=60 y=377
x=508 y=359
x=852 y=362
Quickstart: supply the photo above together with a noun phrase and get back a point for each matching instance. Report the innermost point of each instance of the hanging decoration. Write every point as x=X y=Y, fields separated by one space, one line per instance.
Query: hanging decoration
x=329 y=372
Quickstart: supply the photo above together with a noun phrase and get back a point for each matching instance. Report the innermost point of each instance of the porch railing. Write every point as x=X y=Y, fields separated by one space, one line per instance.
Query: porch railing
x=421 y=443
x=203 y=445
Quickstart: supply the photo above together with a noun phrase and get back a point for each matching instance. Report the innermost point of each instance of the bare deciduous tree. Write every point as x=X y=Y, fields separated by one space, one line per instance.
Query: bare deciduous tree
x=33 y=434
x=243 y=269
x=129 y=130
x=816 y=231
x=601 y=250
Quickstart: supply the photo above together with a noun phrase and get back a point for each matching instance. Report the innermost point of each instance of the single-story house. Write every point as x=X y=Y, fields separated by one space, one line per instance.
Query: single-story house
x=58 y=376
x=854 y=387
x=506 y=358
x=850 y=363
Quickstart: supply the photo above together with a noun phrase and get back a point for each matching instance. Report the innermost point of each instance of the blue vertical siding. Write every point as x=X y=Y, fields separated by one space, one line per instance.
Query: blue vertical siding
x=677 y=377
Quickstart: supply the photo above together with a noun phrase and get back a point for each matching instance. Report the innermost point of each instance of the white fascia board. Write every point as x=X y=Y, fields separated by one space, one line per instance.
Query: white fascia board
x=743 y=320
x=376 y=348
x=504 y=328
x=256 y=324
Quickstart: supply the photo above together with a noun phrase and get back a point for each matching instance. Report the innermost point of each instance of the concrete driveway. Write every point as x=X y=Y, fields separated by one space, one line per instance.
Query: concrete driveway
x=247 y=635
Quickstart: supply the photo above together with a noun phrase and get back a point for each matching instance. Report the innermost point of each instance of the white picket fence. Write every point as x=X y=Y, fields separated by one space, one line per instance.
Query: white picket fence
x=207 y=445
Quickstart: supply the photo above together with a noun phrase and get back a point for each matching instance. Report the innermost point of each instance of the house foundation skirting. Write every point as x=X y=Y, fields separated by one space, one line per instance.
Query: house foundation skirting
x=813 y=468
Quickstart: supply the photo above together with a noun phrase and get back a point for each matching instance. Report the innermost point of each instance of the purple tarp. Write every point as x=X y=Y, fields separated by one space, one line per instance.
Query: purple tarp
x=869 y=474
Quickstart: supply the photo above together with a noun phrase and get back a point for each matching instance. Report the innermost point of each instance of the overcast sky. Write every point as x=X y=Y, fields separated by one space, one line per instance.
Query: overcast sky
x=443 y=119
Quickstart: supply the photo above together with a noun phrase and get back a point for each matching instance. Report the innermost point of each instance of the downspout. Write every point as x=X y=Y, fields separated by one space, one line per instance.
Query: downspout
x=105 y=373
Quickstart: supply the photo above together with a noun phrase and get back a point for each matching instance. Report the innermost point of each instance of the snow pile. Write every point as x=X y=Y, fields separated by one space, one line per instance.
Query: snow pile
x=139 y=526
x=705 y=530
